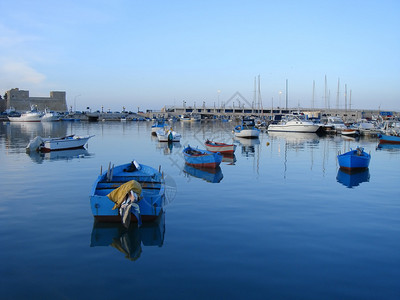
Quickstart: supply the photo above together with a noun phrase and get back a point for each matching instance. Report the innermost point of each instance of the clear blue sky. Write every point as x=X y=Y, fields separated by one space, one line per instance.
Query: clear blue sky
x=149 y=54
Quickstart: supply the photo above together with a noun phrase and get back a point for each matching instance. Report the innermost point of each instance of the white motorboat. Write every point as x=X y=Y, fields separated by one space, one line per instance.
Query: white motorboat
x=32 y=115
x=247 y=129
x=293 y=123
x=54 y=144
x=168 y=135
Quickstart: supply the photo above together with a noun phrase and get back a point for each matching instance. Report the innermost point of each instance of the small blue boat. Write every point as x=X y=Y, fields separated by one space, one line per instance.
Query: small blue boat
x=201 y=158
x=354 y=160
x=146 y=182
x=388 y=139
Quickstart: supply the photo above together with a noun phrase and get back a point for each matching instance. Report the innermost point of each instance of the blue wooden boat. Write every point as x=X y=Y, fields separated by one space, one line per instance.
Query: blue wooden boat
x=388 y=139
x=150 y=189
x=201 y=158
x=354 y=159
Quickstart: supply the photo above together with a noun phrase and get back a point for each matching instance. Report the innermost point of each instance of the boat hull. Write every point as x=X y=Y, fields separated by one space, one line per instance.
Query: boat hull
x=352 y=161
x=205 y=159
x=389 y=139
x=247 y=133
x=350 y=132
x=64 y=143
x=294 y=128
x=168 y=136
x=221 y=147
x=26 y=118
x=153 y=193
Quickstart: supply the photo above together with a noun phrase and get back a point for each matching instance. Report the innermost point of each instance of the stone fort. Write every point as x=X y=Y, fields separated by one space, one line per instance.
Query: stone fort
x=21 y=101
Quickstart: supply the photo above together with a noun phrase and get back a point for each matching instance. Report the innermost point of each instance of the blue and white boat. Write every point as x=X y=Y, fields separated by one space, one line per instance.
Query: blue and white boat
x=247 y=129
x=158 y=125
x=354 y=160
x=147 y=183
x=201 y=158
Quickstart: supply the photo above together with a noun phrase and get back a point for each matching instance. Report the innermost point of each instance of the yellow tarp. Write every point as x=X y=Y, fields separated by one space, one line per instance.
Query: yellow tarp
x=118 y=195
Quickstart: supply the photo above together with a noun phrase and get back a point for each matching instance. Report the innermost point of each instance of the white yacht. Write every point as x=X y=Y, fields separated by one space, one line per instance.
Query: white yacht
x=294 y=123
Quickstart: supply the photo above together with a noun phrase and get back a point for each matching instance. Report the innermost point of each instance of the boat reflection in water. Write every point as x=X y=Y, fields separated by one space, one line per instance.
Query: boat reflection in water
x=208 y=174
x=248 y=145
x=229 y=158
x=167 y=148
x=389 y=147
x=39 y=157
x=352 y=179
x=129 y=241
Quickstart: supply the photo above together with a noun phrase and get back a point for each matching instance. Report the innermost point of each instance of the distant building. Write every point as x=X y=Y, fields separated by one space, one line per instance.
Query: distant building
x=21 y=101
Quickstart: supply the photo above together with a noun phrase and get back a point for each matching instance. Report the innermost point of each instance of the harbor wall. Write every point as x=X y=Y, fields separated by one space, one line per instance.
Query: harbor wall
x=21 y=101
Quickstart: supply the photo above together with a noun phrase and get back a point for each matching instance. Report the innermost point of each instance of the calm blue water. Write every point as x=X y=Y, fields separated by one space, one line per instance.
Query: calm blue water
x=277 y=221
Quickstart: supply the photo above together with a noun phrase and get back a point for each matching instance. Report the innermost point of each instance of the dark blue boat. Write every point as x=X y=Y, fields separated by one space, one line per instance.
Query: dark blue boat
x=354 y=160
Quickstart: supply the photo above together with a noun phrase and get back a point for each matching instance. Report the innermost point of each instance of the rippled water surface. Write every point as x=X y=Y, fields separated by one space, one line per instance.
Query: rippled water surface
x=279 y=220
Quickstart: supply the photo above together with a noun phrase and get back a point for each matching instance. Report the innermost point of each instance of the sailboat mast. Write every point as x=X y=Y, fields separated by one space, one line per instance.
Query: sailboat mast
x=350 y=101
x=337 y=95
x=287 y=94
x=313 y=93
x=254 y=96
x=259 y=95
x=325 y=92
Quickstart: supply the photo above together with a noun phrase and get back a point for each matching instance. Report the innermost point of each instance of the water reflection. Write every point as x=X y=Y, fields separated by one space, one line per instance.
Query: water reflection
x=352 y=179
x=229 y=158
x=296 y=140
x=389 y=147
x=129 y=241
x=18 y=134
x=209 y=175
x=167 y=148
x=39 y=157
x=248 y=146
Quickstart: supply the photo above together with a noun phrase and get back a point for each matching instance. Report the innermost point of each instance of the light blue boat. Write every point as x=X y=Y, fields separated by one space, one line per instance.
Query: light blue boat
x=202 y=158
x=153 y=192
x=354 y=160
